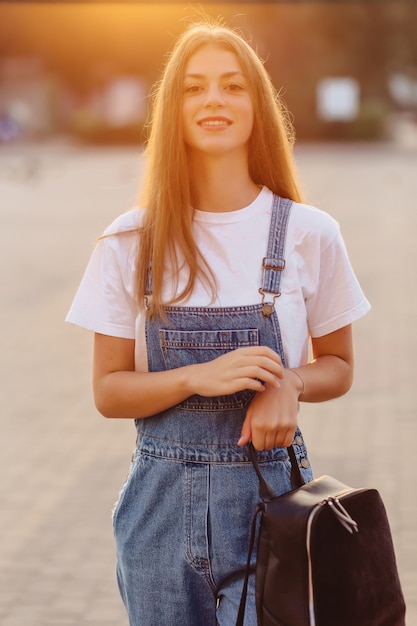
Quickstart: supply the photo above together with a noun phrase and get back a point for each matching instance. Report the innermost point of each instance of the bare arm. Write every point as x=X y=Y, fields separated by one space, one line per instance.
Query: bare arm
x=271 y=419
x=330 y=373
x=119 y=391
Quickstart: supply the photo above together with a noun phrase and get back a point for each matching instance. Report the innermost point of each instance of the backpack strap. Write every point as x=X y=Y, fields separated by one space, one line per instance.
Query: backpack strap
x=266 y=494
x=242 y=605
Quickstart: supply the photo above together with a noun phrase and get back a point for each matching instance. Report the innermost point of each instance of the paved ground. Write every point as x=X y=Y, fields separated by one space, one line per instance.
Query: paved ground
x=61 y=465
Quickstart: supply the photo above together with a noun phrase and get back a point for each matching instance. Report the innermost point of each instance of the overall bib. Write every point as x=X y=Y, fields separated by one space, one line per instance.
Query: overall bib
x=183 y=518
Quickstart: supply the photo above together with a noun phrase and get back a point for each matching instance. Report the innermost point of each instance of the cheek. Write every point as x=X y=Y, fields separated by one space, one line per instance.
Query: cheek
x=250 y=116
x=185 y=121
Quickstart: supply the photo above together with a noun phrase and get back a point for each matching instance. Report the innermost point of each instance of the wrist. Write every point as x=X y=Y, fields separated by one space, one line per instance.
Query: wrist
x=187 y=382
x=299 y=382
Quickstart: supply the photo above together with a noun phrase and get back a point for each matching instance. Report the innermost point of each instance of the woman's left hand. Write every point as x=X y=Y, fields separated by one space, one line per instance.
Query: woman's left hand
x=271 y=419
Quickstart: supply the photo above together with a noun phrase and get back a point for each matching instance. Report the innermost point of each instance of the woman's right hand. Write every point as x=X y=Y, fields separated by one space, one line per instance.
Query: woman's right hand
x=120 y=391
x=243 y=368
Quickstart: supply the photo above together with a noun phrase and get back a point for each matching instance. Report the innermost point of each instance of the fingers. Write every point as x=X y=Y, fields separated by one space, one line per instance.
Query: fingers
x=258 y=363
x=272 y=434
x=245 y=368
x=256 y=376
x=245 y=434
x=267 y=436
x=264 y=357
x=271 y=418
x=267 y=440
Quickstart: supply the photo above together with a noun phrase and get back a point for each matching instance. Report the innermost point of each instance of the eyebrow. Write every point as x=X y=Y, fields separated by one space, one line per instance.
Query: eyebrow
x=224 y=75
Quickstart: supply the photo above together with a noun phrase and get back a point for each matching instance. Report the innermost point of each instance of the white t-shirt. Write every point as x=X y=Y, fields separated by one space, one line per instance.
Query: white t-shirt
x=320 y=292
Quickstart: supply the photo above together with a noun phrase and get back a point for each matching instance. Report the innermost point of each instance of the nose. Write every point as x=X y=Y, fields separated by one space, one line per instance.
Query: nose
x=214 y=96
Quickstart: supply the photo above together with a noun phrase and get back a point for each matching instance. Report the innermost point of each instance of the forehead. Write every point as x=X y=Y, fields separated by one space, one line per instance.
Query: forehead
x=212 y=57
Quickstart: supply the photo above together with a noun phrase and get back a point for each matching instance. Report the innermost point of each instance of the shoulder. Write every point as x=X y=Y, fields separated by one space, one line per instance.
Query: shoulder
x=121 y=238
x=306 y=220
x=310 y=224
x=310 y=219
x=129 y=222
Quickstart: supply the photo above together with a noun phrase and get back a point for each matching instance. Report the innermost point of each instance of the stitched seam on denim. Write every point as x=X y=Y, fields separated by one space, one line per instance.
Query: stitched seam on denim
x=208 y=345
x=218 y=403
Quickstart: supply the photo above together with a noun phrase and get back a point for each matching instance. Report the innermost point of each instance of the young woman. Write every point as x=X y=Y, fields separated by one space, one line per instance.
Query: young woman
x=203 y=304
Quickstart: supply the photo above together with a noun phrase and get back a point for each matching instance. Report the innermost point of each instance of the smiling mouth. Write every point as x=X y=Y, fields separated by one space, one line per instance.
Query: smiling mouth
x=213 y=123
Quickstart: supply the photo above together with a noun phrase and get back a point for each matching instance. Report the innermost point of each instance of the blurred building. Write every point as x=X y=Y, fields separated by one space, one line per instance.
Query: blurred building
x=26 y=99
x=344 y=69
x=114 y=110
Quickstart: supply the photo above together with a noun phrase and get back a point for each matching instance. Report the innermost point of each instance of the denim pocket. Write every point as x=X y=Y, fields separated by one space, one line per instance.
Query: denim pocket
x=186 y=347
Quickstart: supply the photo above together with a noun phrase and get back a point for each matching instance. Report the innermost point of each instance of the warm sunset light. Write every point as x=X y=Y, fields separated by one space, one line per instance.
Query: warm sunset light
x=86 y=56
x=91 y=54
x=266 y=222
x=72 y=38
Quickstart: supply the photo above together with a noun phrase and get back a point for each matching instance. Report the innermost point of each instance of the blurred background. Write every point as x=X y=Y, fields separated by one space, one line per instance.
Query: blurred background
x=346 y=70
x=75 y=80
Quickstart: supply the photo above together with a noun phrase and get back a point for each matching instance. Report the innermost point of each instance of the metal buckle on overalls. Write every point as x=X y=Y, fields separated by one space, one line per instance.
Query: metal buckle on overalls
x=268 y=307
x=276 y=264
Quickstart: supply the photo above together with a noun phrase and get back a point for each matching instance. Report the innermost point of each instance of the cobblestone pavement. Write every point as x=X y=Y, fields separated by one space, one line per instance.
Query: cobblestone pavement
x=61 y=465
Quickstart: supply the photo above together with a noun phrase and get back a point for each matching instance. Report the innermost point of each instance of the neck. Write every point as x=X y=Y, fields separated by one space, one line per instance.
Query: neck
x=220 y=185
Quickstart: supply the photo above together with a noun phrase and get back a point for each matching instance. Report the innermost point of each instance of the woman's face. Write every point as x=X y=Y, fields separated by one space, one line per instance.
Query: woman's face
x=217 y=109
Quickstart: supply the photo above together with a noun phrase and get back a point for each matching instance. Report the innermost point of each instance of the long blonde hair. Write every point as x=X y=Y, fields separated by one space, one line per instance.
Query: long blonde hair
x=166 y=186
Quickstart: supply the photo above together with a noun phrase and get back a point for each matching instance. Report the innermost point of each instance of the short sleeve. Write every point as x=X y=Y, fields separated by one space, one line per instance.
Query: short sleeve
x=338 y=299
x=105 y=301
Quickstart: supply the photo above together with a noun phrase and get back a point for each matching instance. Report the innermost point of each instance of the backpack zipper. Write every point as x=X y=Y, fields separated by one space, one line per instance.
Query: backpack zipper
x=345 y=520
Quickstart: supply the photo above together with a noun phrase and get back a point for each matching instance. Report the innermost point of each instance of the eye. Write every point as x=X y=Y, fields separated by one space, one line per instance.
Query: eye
x=235 y=87
x=192 y=88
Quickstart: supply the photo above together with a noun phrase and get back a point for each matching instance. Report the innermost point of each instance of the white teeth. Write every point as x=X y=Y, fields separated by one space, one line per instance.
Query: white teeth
x=214 y=123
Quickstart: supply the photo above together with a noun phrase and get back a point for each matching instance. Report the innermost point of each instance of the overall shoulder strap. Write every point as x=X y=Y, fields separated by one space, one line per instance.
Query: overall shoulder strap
x=274 y=262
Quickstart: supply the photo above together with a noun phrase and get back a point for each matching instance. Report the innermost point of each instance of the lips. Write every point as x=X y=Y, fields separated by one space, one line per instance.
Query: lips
x=214 y=122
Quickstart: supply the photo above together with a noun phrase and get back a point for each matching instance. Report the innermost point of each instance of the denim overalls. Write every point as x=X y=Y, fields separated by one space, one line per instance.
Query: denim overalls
x=183 y=518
